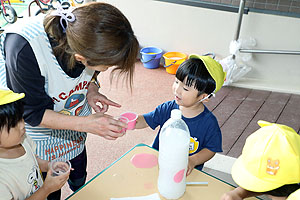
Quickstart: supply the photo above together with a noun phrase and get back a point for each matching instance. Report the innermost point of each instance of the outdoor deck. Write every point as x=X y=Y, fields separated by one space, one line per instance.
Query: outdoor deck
x=239 y=109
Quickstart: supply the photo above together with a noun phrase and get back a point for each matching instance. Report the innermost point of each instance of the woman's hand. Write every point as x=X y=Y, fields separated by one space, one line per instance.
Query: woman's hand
x=98 y=123
x=104 y=125
x=94 y=98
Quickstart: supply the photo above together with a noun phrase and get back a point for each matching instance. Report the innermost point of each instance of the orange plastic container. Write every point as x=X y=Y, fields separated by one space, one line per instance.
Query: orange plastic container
x=173 y=60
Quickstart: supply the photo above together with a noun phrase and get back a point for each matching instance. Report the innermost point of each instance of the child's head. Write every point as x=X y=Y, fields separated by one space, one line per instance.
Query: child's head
x=11 y=118
x=270 y=161
x=202 y=72
x=100 y=34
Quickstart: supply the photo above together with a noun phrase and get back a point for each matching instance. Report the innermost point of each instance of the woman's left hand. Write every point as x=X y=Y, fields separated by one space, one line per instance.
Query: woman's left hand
x=94 y=97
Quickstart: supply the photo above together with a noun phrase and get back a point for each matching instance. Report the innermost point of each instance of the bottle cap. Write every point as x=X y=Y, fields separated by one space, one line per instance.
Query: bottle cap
x=176 y=114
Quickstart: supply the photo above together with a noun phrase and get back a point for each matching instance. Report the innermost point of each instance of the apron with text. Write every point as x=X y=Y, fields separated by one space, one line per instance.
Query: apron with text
x=68 y=94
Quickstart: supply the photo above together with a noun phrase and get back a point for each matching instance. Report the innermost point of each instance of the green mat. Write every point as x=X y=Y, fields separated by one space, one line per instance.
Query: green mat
x=20 y=10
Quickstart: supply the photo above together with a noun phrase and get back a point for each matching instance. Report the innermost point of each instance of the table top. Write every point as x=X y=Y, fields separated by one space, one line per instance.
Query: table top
x=123 y=179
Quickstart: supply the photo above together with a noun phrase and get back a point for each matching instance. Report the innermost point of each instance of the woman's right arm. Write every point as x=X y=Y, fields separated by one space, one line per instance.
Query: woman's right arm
x=24 y=76
x=97 y=123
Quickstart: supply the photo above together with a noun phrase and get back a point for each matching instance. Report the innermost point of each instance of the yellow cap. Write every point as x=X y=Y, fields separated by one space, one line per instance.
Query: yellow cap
x=214 y=68
x=295 y=195
x=8 y=96
x=270 y=159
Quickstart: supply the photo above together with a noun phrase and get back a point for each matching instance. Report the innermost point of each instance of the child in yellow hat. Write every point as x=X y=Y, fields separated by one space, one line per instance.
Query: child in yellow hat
x=196 y=80
x=269 y=164
x=20 y=176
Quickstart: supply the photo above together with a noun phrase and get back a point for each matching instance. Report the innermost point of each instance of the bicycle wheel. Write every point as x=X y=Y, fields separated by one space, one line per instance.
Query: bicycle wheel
x=65 y=4
x=46 y=2
x=79 y=1
x=11 y=15
x=44 y=10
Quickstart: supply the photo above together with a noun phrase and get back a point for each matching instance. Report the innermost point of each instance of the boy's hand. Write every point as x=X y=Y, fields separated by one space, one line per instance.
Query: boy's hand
x=230 y=196
x=191 y=166
x=199 y=158
x=54 y=183
x=238 y=194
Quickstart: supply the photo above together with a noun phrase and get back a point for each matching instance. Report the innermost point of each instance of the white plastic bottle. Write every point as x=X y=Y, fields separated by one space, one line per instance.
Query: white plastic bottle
x=174 y=141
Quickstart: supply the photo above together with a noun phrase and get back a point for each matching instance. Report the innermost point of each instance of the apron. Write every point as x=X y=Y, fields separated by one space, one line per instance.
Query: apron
x=68 y=94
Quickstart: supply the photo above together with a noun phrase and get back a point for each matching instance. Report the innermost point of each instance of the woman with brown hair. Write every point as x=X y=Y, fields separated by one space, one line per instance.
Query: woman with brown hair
x=54 y=60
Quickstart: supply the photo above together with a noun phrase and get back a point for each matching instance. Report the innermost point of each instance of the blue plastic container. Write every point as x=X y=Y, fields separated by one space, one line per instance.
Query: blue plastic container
x=150 y=57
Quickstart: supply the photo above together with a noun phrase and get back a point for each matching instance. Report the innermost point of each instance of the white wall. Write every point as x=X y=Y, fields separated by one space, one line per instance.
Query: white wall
x=188 y=29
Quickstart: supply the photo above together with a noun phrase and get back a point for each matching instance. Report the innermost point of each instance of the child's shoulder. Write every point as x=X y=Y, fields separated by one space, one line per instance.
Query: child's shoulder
x=207 y=111
x=207 y=115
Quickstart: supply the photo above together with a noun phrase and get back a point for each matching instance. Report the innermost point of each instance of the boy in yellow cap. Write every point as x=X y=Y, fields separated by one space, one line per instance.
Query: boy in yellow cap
x=20 y=176
x=196 y=80
x=269 y=164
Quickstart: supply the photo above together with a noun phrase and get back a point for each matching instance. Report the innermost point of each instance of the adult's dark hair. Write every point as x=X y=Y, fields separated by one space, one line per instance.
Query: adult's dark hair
x=100 y=33
x=196 y=74
x=11 y=114
x=284 y=191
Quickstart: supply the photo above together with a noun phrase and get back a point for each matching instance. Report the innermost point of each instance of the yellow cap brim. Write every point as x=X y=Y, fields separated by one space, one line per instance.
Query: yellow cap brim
x=248 y=181
x=8 y=96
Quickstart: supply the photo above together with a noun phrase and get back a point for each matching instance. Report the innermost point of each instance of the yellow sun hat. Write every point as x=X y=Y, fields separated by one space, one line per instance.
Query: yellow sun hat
x=214 y=68
x=270 y=159
x=8 y=96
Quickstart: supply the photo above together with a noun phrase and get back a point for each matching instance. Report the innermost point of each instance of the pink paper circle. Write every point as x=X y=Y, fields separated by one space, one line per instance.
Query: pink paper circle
x=144 y=160
x=148 y=186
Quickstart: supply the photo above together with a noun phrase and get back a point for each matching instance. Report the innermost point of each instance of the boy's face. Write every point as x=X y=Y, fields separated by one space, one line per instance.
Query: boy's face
x=14 y=137
x=184 y=95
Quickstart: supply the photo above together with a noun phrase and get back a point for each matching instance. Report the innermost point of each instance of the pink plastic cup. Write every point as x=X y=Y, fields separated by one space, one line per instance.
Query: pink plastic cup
x=125 y=120
x=131 y=116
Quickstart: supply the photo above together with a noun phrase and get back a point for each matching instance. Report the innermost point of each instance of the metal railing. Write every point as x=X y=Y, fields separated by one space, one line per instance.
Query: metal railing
x=259 y=51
